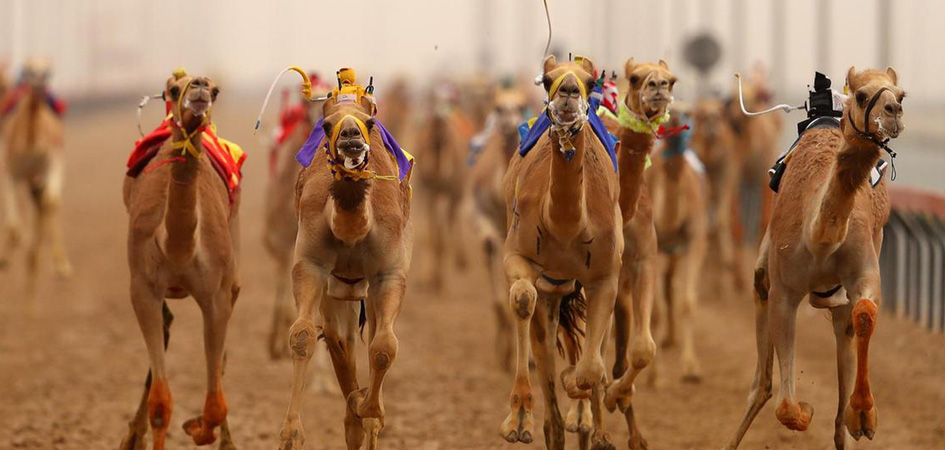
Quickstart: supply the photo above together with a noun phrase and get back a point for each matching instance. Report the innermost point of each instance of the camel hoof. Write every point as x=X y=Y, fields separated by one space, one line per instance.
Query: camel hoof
x=518 y=426
x=795 y=417
x=291 y=436
x=201 y=432
x=861 y=422
x=134 y=440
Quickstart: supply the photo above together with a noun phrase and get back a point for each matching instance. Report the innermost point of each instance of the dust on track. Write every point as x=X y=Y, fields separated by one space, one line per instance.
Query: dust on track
x=72 y=364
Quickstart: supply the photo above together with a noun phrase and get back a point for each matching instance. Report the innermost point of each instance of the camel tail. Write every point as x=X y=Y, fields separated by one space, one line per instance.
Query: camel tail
x=571 y=317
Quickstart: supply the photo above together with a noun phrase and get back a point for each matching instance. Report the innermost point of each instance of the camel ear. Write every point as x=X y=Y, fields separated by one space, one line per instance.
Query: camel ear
x=628 y=68
x=368 y=104
x=588 y=66
x=851 y=74
x=891 y=73
x=664 y=65
x=549 y=63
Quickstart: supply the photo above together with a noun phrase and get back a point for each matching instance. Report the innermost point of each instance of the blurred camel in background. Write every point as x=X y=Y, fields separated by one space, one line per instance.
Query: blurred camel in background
x=32 y=137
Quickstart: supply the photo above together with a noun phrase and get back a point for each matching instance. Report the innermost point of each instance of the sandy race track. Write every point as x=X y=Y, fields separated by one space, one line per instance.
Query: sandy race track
x=72 y=364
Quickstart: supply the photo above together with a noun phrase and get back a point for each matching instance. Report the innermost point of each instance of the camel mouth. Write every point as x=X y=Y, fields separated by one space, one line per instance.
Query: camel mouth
x=198 y=105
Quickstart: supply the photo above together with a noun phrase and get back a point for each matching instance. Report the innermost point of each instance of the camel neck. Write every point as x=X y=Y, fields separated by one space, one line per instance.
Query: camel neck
x=634 y=149
x=351 y=216
x=856 y=158
x=181 y=217
x=565 y=208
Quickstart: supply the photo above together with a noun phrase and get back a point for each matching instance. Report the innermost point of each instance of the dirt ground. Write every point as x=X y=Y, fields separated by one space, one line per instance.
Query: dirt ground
x=72 y=363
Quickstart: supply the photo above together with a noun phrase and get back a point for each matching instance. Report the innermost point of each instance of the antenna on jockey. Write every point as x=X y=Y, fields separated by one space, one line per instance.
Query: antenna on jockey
x=144 y=102
x=741 y=101
x=547 y=44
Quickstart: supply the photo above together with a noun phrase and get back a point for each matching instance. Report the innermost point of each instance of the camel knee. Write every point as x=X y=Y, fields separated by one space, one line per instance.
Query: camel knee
x=383 y=351
x=522 y=299
x=864 y=318
x=159 y=405
x=643 y=352
x=302 y=337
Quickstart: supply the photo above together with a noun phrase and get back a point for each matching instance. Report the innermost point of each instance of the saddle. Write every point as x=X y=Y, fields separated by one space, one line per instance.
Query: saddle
x=777 y=170
x=226 y=157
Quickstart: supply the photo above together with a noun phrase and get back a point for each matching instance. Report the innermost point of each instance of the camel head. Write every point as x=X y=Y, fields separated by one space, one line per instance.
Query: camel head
x=568 y=84
x=510 y=106
x=874 y=108
x=709 y=118
x=651 y=88
x=191 y=99
x=35 y=74
x=348 y=121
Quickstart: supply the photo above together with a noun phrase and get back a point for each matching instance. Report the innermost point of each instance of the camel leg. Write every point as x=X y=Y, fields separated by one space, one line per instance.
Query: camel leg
x=505 y=341
x=761 y=386
x=12 y=213
x=49 y=207
x=217 y=307
x=601 y=296
x=308 y=282
x=438 y=244
x=860 y=415
x=138 y=427
x=782 y=312
x=148 y=306
x=281 y=314
x=459 y=226
x=668 y=276
x=518 y=425
x=386 y=299
x=686 y=284
x=640 y=270
x=340 y=325
x=544 y=334
x=846 y=366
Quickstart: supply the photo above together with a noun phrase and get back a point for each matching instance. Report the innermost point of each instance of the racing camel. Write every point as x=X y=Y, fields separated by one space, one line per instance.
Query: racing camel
x=564 y=232
x=32 y=138
x=353 y=252
x=296 y=120
x=489 y=160
x=823 y=242
x=713 y=142
x=636 y=123
x=183 y=239
x=677 y=183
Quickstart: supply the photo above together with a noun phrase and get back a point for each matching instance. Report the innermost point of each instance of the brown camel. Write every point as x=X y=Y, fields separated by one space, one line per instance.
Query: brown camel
x=564 y=227
x=713 y=142
x=396 y=113
x=296 y=122
x=485 y=203
x=644 y=109
x=183 y=239
x=677 y=184
x=442 y=142
x=824 y=239
x=353 y=248
x=32 y=137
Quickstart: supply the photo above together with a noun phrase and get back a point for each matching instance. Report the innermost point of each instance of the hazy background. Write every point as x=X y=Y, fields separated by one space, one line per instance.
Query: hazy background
x=108 y=46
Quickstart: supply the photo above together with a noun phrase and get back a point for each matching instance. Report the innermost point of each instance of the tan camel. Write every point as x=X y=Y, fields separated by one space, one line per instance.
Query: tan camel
x=677 y=183
x=486 y=203
x=354 y=247
x=32 y=134
x=713 y=142
x=296 y=122
x=183 y=240
x=756 y=148
x=644 y=109
x=442 y=142
x=564 y=227
x=824 y=238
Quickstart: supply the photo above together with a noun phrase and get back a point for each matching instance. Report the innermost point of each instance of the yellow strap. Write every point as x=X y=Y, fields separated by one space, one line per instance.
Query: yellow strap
x=557 y=83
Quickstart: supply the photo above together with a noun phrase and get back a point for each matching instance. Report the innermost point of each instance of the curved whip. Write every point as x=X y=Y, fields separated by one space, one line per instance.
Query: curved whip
x=306 y=91
x=741 y=101
x=548 y=43
x=144 y=102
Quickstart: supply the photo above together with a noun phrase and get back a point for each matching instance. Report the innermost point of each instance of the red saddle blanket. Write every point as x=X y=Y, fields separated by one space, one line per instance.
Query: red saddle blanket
x=226 y=157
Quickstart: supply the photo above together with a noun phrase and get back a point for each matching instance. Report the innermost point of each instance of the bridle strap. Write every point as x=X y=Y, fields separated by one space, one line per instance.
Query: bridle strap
x=866 y=116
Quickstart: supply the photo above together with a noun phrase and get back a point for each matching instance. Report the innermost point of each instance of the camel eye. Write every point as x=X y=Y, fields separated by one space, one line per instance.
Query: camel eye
x=214 y=93
x=634 y=79
x=861 y=98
